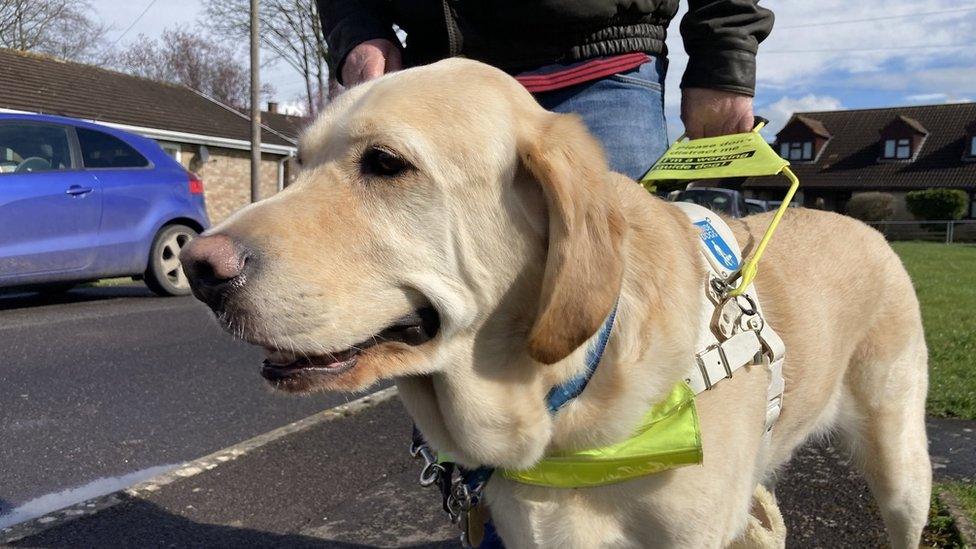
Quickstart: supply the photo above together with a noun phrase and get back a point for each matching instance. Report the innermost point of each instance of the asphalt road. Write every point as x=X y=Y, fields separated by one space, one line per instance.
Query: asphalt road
x=349 y=483
x=106 y=382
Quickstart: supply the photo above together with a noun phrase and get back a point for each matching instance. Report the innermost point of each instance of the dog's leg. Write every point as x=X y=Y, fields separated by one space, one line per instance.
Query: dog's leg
x=882 y=418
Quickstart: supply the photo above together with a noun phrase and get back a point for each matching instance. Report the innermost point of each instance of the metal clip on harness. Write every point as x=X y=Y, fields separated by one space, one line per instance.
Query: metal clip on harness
x=458 y=496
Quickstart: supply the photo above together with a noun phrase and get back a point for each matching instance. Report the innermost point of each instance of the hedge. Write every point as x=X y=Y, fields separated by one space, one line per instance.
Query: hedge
x=937 y=204
x=873 y=206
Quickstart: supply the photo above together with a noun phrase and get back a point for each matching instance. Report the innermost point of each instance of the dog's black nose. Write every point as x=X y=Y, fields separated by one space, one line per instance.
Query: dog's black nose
x=215 y=265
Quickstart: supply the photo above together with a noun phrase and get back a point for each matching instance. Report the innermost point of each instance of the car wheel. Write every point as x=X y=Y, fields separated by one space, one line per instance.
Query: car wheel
x=164 y=274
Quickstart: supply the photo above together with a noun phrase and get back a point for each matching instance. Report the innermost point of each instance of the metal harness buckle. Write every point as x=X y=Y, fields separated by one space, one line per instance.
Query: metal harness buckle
x=432 y=471
x=457 y=498
x=714 y=354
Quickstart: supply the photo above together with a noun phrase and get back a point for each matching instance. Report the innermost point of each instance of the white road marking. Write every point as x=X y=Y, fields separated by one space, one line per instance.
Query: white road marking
x=40 y=506
x=97 y=500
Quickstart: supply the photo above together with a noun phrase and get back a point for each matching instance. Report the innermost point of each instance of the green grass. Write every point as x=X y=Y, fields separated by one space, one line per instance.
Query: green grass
x=965 y=492
x=106 y=282
x=941 y=531
x=945 y=279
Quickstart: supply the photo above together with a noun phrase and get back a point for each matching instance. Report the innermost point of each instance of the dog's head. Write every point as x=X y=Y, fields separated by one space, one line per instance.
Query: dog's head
x=445 y=231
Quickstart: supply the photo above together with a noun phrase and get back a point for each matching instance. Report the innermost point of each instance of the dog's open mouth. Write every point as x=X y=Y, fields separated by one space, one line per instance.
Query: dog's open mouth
x=413 y=329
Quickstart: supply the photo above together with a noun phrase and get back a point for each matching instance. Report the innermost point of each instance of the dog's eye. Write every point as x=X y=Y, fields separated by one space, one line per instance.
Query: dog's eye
x=383 y=163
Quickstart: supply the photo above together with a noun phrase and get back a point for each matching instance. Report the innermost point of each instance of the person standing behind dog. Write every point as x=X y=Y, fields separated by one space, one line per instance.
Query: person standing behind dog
x=602 y=59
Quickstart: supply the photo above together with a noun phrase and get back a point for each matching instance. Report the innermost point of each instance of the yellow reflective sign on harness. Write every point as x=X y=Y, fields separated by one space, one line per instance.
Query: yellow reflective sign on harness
x=742 y=154
x=667 y=438
x=737 y=155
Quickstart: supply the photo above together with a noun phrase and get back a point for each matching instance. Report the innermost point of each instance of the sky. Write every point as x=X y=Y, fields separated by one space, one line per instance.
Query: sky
x=821 y=55
x=120 y=15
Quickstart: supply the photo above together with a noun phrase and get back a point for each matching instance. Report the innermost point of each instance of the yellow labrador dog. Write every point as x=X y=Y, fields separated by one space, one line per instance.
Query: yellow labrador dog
x=448 y=233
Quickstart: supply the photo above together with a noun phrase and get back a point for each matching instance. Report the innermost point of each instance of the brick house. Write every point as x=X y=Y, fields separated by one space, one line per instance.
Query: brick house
x=837 y=154
x=204 y=135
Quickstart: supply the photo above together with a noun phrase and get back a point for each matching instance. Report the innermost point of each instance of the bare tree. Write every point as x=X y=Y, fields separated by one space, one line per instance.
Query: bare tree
x=61 y=28
x=182 y=57
x=290 y=31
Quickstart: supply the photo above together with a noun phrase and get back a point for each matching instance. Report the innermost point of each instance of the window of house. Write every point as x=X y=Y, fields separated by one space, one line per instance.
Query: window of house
x=101 y=150
x=897 y=148
x=796 y=150
x=172 y=149
x=972 y=146
x=26 y=148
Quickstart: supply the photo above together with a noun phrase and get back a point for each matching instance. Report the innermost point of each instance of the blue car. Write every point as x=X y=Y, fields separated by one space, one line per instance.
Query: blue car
x=82 y=201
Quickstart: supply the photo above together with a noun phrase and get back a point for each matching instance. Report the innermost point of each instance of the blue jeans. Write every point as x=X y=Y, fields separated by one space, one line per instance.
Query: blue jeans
x=624 y=111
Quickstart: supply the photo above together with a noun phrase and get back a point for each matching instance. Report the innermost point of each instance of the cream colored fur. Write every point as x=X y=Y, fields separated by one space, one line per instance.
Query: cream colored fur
x=765 y=527
x=513 y=228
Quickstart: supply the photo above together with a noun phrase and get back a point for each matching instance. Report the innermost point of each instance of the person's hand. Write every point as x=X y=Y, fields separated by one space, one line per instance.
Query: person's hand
x=710 y=113
x=371 y=59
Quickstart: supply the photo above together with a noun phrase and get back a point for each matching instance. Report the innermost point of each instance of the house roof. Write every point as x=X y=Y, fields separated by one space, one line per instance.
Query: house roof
x=37 y=83
x=815 y=126
x=287 y=124
x=849 y=159
x=913 y=124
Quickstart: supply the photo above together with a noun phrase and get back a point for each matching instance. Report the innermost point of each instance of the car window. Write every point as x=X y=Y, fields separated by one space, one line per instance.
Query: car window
x=101 y=150
x=715 y=201
x=754 y=208
x=26 y=148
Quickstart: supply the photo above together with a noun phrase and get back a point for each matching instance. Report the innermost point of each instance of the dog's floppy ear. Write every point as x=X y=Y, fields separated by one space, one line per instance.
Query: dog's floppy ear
x=584 y=265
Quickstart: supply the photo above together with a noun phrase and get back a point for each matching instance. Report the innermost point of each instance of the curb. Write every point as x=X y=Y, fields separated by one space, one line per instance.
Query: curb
x=964 y=526
x=188 y=469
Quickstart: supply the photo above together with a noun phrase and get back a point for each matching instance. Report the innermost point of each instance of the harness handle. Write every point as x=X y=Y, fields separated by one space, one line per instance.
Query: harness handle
x=747 y=273
x=750 y=267
x=758 y=123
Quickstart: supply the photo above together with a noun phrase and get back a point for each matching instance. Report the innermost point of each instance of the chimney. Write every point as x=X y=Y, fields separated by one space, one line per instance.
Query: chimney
x=273 y=107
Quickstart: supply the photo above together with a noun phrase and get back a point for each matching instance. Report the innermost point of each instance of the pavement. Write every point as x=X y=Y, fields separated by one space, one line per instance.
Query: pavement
x=952 y=444
x=105 y=386
x=345 y=480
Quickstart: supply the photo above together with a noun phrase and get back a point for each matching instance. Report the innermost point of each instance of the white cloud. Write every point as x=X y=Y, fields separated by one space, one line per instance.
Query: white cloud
x=948 y=81
x=800 y=53
x=849 y=59
x=860 y=47
x=926 y=97
x=780 y=111
x=935 y=98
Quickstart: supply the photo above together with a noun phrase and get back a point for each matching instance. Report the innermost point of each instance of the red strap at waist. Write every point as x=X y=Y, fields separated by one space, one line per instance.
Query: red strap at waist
x=558 y=77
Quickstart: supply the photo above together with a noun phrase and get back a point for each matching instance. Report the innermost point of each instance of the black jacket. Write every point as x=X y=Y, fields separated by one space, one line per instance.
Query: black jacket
x=720 y=36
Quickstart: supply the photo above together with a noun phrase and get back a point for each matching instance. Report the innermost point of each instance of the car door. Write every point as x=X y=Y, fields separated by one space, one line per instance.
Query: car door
x=130 y=188
x=50 y=210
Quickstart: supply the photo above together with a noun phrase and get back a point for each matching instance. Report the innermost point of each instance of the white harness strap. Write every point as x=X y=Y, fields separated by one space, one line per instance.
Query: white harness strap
x=733 y=331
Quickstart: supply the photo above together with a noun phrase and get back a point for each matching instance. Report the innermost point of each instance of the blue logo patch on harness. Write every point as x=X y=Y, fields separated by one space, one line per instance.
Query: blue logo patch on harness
x=717 y=245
